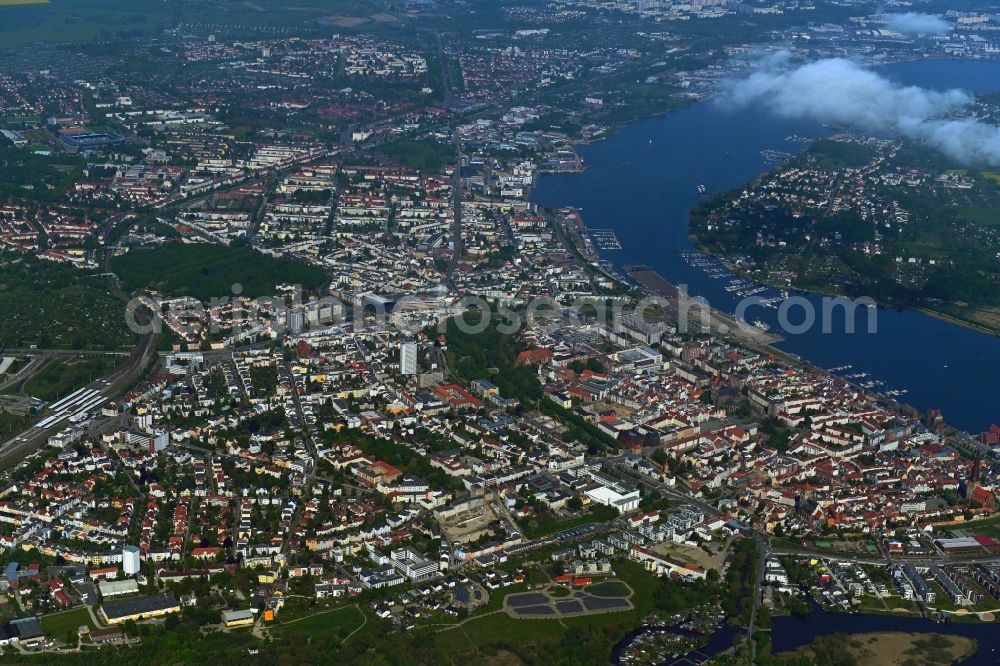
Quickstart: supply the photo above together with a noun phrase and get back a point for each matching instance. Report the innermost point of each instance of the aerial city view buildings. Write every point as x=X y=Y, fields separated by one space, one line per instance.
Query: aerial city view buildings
x=499 y=331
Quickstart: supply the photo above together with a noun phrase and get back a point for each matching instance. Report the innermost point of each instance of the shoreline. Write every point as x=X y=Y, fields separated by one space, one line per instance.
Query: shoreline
x=923 y=309
x=895 y=647
x=767 y=346
x=653 y=282
x=986 y=330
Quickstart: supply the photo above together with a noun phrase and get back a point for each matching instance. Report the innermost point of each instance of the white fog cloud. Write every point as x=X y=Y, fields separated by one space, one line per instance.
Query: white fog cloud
x=841 y=91
x=912 y=23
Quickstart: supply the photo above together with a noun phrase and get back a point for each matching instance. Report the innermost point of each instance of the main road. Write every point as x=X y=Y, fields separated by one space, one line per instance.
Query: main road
x=456 y=202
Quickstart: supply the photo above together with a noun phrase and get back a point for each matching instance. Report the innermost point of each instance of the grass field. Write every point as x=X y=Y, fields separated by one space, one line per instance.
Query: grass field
x=61 y=625
x=345 y=21
x=608 y=588
x=339 y=622
x=897 y=648
x=852 y=546
x=489 y=629
x=986 y=316
x=10 y=425
x=988 y=526
x=833 y=154
x=60 y=378
x=985 y=216
x=485 y=630
x=7 y=3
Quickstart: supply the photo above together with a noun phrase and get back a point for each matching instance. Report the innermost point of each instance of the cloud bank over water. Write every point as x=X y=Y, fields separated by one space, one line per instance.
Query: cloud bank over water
x=912 y=23
x=840 y=91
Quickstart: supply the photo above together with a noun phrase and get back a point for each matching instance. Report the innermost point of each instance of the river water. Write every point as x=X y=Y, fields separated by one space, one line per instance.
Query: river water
x=789 y=632
x=642 y=182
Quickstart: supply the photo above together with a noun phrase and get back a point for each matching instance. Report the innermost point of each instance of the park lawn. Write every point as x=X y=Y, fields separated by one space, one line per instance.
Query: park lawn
x=989 y=217
x=644 y=99
x=984 y=316
x=608 y=589
x=878 y=574
x=640 y=581
x=941 y=599
x=834 y=155
x=486 y=629
x=928 y=245
x=206 y=271
x=427 y=155
x=60 y=378
x=60 y=625
x=990 y=525
x=893 y=648
x=490 y=628
x=339 y=622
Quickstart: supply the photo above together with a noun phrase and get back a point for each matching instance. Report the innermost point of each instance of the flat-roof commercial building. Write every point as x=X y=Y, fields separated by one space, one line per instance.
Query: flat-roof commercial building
x=117 y=588
x=623 y=502
x=238 y=618
x=25 y=630
x=140 y=608
x=412 y=564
